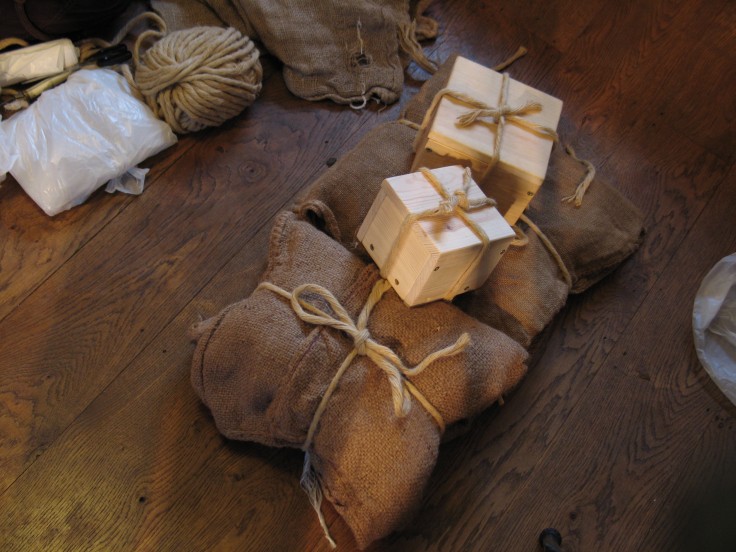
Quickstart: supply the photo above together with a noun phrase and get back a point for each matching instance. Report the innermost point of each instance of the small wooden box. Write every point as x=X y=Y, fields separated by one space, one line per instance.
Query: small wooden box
x=522 y=164
x=438 y=252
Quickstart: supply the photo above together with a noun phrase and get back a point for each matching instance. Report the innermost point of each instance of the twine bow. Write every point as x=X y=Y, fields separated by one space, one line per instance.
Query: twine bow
x=364 y=345
x=456 y=203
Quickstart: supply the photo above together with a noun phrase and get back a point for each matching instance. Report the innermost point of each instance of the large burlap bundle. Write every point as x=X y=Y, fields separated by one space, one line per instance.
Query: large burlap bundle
x=529 y=285
x=348 y=51
x=262 y=371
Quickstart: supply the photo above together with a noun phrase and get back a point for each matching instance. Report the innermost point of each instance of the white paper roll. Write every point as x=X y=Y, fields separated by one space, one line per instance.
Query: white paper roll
x=37 y=61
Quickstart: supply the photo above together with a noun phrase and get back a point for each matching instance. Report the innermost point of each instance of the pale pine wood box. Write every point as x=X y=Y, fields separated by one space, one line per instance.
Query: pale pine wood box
x=438 y=251
x=524 y=157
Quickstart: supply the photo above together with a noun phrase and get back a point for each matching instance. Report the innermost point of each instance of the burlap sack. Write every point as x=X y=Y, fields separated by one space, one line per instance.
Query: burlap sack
x=527 y=288
x=262 y=371
x=348 y=51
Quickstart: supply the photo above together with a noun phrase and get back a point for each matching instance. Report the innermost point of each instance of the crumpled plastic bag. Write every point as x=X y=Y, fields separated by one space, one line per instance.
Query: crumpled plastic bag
x=714 y=325
x=130 y=182
x=78 y=136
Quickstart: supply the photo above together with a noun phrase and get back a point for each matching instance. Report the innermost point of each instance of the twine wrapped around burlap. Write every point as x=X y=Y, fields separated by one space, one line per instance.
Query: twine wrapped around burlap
x=528 y=286
x=263 y=368
x=347 y=51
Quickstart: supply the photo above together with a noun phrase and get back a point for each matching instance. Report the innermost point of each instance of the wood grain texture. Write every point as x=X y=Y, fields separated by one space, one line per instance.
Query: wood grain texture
x=35 y=245
x=631 y=463
x=84 y=324
x=617 y=437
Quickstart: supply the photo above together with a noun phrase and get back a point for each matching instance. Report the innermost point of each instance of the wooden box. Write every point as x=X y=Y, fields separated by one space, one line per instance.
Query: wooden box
x=524 y=155
x=438 y=257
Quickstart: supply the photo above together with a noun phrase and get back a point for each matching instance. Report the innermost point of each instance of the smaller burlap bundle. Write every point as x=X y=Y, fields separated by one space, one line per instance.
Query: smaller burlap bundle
x=263 y=371
x=531 y=283
x=347 y=51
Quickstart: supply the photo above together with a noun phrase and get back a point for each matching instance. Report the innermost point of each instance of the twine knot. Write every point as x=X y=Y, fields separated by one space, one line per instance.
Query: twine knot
x=360 y=340
x=500 y=116
x=459 y=199
x=497 y=113
x=302 y=301
x=457 y=202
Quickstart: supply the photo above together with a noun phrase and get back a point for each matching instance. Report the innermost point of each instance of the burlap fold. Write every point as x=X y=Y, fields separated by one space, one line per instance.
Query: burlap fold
x=347 y=51
x=262 y=371
x=527 y=287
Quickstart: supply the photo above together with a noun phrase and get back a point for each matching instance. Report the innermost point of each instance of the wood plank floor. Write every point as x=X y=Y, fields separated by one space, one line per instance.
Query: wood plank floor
x=617 y=437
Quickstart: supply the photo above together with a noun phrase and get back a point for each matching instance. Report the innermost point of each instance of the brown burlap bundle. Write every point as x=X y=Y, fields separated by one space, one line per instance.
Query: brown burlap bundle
x=348 y=51
x=529 y=285
x=263 y=372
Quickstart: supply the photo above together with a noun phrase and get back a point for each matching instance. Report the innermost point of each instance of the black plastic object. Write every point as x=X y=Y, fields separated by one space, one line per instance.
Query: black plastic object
x=551 y=540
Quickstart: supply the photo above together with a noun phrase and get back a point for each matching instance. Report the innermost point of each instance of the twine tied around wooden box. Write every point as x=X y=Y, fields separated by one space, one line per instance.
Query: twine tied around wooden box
x=500 y=115
x=456 y=203
x=383 y=357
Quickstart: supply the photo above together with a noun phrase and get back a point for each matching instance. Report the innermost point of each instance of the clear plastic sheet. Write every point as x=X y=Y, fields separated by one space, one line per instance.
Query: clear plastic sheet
x=78 y=136
x=714 y=325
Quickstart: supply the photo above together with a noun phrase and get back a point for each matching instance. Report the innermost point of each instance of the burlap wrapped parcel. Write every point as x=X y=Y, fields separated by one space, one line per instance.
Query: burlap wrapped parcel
x=348 y=51
x=262 y=371
x=531 y=283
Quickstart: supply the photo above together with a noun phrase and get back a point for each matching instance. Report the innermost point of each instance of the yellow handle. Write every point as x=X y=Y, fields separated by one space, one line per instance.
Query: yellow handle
x=37 y=89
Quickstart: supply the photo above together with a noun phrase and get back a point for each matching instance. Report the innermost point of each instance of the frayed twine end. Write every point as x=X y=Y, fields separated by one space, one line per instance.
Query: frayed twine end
x=576 y=198
x=310 y=485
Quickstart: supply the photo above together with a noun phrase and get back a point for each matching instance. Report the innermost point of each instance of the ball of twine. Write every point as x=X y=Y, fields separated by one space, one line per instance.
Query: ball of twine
x=199 y=77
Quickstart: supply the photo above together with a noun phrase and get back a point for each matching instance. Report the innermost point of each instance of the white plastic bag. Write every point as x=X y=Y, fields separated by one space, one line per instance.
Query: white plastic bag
x=78 y=136
x=714 y=325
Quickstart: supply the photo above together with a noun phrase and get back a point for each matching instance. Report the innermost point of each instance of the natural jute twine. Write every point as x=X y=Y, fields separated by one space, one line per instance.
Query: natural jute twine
x=383 y=357
x=451 y=204
x=198 y=77
x=410 y=44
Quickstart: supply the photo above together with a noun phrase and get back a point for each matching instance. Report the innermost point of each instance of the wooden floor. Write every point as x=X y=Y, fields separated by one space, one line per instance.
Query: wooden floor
x=617 y=437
